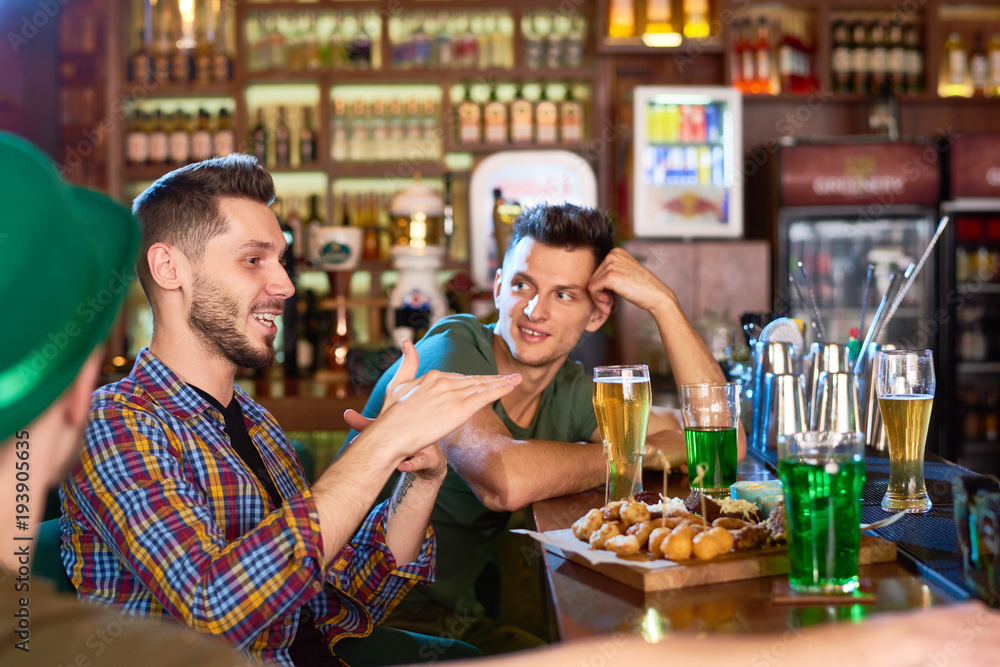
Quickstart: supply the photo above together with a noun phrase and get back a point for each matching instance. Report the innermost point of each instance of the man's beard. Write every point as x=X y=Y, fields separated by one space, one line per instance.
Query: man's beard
x=215 y=318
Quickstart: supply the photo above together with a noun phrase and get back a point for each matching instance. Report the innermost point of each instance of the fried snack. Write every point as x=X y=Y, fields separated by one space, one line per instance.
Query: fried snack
x=775 y=523
x=712 y=509
x=612 y=509
x=632 y=513
x=737 y=509
x=750 y=537
x=672 y=522
x=678 y=544
x=678 y=513
x=729 y=523
x=585 y=526
x=604 y=533
x=698 y=527
x=623 y=545
x=641 y=531
x=656 y=541
x=711 y=543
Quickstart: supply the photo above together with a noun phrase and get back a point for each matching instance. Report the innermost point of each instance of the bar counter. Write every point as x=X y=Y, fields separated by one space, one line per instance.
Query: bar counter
x=927 y=571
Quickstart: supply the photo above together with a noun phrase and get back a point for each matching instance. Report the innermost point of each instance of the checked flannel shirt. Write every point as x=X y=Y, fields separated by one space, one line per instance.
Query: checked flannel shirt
x=164 y=518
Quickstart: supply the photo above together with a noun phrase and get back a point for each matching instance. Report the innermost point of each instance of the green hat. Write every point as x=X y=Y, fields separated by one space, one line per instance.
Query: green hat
x=66 y=258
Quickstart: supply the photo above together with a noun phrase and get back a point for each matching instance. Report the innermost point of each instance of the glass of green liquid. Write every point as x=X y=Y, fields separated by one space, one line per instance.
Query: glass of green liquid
x=904 y=384
x=621 y=402
x=822 y=473
x=711 y=413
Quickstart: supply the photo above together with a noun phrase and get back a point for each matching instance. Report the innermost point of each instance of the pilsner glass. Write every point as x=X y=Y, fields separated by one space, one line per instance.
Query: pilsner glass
x=904 y=384
x=621 y=402
x=711 y=413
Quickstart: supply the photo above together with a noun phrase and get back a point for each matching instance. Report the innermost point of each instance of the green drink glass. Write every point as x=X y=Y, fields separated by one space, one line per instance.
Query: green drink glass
x=711 y=414
x=822 y=473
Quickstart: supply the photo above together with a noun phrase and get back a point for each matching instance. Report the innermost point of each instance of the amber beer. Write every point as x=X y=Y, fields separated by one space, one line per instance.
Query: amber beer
x=621 y=402
x=905 y=418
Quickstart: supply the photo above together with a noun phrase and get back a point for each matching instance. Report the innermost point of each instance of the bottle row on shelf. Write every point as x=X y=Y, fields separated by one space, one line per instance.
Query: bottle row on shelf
x=980 y=410
x=452 y=40
x=977 y=338
x=181 y=43
x=545 y=118
x=773 y=54
x=385 y=129
x=314 y=40
x=277 y=142
x=632 y=18
x=974 y=73
x=176 y=138
x=877 y=57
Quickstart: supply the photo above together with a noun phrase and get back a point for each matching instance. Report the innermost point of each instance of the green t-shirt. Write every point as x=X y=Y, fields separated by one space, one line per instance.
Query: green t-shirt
x=468 y=532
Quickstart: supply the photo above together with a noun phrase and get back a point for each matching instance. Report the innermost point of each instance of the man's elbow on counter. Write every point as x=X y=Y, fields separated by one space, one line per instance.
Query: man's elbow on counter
x=499 y=496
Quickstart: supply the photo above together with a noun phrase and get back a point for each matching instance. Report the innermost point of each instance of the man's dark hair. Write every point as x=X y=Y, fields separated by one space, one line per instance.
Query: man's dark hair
x=182 y=208
x=566 y=226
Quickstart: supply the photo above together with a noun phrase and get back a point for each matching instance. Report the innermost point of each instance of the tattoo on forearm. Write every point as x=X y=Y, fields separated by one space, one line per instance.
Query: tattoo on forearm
x=401 y=490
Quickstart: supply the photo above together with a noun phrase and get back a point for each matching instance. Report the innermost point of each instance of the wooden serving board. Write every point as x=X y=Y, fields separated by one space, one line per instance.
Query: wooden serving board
x=733 y=566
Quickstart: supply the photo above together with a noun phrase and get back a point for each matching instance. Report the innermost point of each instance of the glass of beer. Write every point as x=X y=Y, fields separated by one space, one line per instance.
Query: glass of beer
x=904 y=384
x=621 y=401
x=711 y=414
x=822 y=473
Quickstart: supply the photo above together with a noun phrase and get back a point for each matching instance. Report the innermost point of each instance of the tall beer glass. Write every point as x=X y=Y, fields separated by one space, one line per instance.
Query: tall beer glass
x=904 y=384
x=711 y=414
x=621 y=401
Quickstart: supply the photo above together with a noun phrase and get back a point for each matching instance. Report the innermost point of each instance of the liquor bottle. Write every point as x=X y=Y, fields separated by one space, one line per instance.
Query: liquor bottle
x=396 y=129
x=224 y=141
x=696 y=24
x=258 y=138
x=140 y=64
x=180 y=65
x=495 y=120
x=161 y=59
x=571 y=118
x=282 y=140
x=763 y=56
x=736 y=61
x=533 y=41
x=420 y=43
x=290 y=314
x=546 y=119
x=749 y=76
x=841 y=64
x=520 y=119
x=430 y=137
x=202 y=61
x=979 y=69
x=659 y=17
x=307 y=138
x=358 y=131
x=555 y=42
x=789 y=57
x=877 y=57
x=159 y=144
x=621 y=18
x=444 y=46
x=955 y=78
x=137 y=141
x=338 y=131
x=222 y=64
x=201 y=139
x=380 y=149
x=482 y=27
x=914 y=60
x=414 y=129
x=993 y=55
x=180 y=139
x=360 y=50
x=859 y=57
x=575 y=43
x=897 y=59
x=469 y=126
x=312 y=226
x=467 y=48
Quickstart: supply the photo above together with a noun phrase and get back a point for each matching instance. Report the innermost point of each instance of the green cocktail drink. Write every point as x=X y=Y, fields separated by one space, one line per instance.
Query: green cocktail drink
x=711 y=456
x=823 y=511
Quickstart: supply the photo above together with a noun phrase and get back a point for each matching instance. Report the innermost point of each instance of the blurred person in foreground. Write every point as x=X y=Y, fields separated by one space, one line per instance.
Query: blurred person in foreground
x=190 y=502
x=560 y=275
x=66 y=258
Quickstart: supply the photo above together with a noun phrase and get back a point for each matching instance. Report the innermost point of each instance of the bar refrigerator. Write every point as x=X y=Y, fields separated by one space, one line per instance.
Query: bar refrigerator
x=687 y=143
x=971 y=288
x=843 y=206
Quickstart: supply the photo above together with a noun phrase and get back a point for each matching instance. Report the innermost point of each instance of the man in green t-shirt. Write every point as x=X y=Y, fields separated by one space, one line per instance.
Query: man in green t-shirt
x=559 y=277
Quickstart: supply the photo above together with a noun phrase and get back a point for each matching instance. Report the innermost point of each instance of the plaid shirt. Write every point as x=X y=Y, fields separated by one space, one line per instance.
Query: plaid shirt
x=163 y=517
